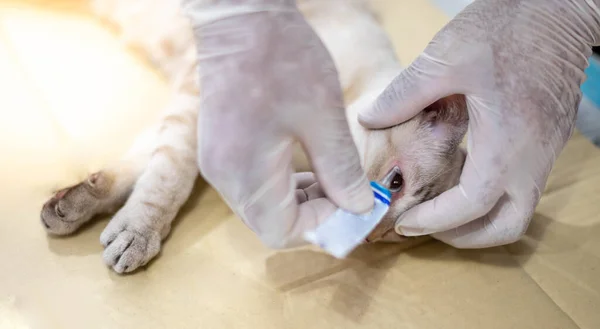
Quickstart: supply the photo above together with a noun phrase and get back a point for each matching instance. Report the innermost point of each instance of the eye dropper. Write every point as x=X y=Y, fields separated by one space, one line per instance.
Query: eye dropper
x=343 y=231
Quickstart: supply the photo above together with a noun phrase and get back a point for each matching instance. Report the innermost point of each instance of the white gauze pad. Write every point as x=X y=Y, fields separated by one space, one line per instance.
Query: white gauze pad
x=344 y=231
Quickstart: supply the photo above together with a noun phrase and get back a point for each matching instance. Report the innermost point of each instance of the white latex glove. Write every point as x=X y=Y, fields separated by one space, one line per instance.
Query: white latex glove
x=520 y=64
x=267 y=81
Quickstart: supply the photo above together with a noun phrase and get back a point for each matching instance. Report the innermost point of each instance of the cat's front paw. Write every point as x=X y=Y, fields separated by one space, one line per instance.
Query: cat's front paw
x=128 y=247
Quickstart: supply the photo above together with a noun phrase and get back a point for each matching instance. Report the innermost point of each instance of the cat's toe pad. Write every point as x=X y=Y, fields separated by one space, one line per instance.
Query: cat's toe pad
x=129 y=248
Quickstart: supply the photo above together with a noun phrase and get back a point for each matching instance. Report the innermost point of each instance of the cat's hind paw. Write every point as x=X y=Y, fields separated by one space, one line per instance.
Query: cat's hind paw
x=72 y=206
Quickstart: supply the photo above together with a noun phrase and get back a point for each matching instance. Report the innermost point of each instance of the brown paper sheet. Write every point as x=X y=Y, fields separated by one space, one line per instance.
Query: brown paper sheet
x=213 y=272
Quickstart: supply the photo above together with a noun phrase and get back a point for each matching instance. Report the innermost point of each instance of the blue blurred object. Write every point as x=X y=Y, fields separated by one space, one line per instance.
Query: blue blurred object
x=451 y=7
x=588 y=117
x=591 y=87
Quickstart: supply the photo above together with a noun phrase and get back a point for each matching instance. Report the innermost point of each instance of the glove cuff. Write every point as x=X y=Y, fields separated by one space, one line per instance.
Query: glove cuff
x=590 y=13
x=579 y=18
x=202 y=12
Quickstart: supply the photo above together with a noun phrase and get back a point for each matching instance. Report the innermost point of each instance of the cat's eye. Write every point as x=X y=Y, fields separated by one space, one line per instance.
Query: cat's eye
x=393 y=180
x=396 y=183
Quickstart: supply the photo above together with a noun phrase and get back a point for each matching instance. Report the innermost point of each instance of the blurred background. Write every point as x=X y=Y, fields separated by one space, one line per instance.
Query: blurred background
x=72 y=98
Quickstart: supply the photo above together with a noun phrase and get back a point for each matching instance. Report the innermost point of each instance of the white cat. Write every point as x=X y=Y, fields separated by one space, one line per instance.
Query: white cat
x=148 y=186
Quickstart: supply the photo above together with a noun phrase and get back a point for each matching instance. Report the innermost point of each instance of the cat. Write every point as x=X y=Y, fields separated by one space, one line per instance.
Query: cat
x=146 y=188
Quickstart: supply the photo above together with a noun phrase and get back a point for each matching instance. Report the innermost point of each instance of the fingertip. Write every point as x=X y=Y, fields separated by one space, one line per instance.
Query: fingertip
x=370 y=121
x=309 y=216
x=415 y=88
x=383 y=119
x=338 y=170
x=449 y=210
x=356 y=197
x=304 y=179
x=410 y=230
x=386 y=111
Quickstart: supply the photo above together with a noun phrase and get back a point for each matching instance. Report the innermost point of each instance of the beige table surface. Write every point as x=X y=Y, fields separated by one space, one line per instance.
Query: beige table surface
x=71 y=99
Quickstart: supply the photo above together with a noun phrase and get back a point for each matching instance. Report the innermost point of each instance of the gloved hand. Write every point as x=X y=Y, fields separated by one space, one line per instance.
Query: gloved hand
x=267 y=81
x=520 y=64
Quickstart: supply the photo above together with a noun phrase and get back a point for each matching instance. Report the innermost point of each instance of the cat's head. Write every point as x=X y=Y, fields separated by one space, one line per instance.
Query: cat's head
x=427 y=151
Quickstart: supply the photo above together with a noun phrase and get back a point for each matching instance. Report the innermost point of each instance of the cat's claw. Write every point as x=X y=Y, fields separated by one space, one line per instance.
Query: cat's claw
x=128 y=248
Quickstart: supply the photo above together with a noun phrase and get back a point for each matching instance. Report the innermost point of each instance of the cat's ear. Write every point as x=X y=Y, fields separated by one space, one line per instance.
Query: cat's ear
x=448 y=119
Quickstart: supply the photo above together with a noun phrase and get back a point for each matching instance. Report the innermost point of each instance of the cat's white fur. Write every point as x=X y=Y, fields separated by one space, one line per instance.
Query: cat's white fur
x=148 y=186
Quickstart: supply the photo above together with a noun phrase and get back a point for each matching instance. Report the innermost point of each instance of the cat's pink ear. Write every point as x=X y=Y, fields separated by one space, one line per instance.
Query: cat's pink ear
x=448 y=118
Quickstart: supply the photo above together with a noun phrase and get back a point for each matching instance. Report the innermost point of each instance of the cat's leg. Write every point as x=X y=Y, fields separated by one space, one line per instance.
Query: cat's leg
x=163 y=35
x=102 y=192
x=134 y=235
